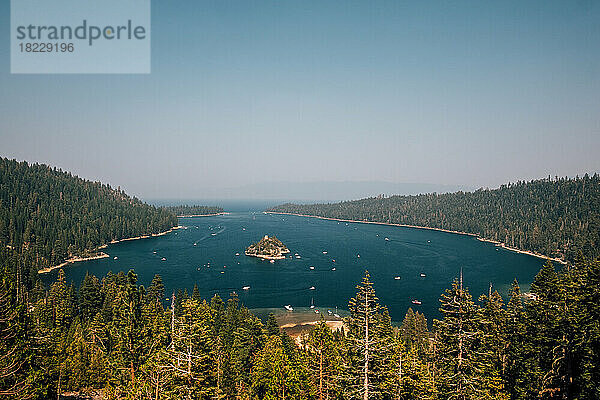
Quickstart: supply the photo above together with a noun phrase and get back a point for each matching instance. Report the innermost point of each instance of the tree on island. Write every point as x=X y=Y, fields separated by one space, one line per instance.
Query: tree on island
x=269 y=248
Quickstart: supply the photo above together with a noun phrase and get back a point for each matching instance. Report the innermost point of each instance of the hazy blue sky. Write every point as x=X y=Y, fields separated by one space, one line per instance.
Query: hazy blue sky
x=460 y=93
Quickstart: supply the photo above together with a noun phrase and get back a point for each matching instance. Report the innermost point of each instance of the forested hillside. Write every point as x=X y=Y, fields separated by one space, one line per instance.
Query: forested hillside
x=555 y=217
x=47 y=215
x=114 y=337
x=185 y=210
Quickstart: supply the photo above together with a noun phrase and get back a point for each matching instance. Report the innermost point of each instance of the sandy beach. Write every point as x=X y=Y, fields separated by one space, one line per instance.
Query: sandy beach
x=298 y=328
x=101 y=254
x=73 y=260
x=531 y=253
x=499 y=244
x=296 y=331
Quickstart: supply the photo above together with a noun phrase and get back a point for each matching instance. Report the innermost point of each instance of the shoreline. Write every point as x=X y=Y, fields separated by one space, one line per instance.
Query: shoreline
x=531 y=253
x=499 y=244
x=73 y=260
x=282 y=257
x=102 y=254
x=202 y=215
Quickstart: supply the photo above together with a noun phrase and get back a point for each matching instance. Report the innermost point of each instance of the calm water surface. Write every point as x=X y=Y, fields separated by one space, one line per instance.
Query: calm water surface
x=204 y=253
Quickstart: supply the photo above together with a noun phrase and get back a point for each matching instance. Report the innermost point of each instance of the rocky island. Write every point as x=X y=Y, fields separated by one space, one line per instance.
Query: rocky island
x=269 y=248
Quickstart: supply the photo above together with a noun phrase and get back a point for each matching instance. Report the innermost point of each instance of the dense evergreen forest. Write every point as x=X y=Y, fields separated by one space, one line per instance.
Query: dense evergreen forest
x=185 y=210
x=113 y=338
x=557 y=217
x=48 y=216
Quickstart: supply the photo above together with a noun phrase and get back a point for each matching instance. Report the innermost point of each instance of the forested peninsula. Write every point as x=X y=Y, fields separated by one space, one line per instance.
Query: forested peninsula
x=49 y=217
x=556 y=217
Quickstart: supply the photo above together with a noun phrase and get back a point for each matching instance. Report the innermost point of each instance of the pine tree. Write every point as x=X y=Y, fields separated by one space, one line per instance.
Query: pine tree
x=414 y=331
x=156 y=290
x=491 y=345
x=324 y=361
x=196 y=293
x=90 y=297
x=13 y=342
x=272 y=325
x=249 y=339
x=192 y=353
x=125 y=328
x=455 y=338
x=366 y=347
x=273 y=376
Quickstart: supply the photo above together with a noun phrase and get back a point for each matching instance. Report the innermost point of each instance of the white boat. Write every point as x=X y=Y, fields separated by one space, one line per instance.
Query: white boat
x=288 y=307
x=312 y=305
x=429 y=241
x=272 y=261
x=237 y=254
x=312 y=288
x=333 y=269
x=298 y=257
x=213 y=234
x=246 y=288
x=324 y=252
x=195 y=244
x=336 y=315
x=333 y=260
x=358 y=256
x=153 y=252
x=115 y=258
x=316 y=311
x=423 y=275
x=416 y=302
x=397 y=278
x=329 y=312
x=311 y=267
x=222 y=272
x=163 y=259
x=388 y=239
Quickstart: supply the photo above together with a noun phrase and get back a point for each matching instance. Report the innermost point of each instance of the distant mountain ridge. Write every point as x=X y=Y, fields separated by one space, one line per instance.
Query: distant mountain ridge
x=326 y=191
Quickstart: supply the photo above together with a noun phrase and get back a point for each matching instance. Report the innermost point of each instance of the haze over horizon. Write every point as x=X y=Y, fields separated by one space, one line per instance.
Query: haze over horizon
x=250 y=95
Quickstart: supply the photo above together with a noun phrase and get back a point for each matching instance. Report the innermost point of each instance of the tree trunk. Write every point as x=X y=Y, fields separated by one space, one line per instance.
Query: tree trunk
x=321 y=374
x=366 y=367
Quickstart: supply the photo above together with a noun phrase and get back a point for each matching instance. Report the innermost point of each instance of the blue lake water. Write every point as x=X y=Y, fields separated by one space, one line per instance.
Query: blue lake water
x=212 y=263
